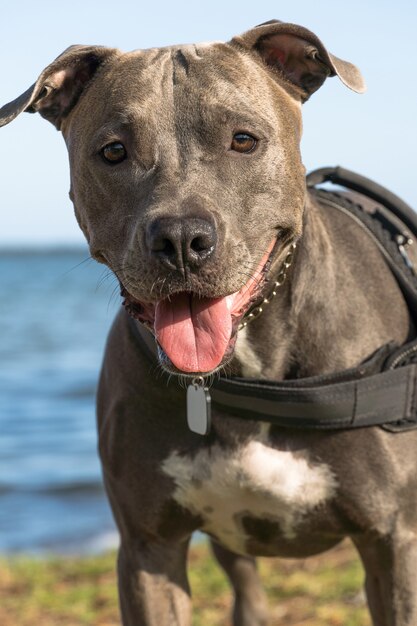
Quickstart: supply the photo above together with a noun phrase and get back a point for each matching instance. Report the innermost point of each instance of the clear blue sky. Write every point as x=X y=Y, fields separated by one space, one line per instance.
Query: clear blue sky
x=375 y=134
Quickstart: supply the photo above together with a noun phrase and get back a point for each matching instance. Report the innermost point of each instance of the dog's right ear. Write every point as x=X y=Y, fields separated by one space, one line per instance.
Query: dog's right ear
x=60 y=85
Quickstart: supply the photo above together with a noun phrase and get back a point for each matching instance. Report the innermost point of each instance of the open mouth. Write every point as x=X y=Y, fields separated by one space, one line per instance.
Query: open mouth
x=196 y=334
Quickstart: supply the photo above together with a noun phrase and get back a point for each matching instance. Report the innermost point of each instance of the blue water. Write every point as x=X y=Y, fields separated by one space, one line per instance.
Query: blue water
x=55 y=312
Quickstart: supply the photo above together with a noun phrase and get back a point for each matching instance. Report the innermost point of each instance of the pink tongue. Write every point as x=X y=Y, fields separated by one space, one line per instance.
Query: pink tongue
x=193 y=332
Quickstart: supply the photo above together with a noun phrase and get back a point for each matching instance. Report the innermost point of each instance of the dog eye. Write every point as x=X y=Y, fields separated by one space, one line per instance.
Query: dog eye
x=243 y=142
x=114 y=152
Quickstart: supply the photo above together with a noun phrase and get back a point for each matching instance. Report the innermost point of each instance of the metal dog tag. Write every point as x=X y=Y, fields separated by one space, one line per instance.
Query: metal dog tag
x=198 y=407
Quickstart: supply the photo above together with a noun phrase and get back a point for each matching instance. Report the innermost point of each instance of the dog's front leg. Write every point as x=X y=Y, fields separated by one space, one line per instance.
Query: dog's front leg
x=153 y=585
x=250 y=606
x=391 y=578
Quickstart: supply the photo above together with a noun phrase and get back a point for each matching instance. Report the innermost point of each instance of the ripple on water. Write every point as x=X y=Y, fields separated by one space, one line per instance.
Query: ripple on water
x=53 y=323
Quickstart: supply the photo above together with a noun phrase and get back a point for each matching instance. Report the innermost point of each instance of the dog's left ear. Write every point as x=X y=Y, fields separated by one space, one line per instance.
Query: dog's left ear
x=298 y=55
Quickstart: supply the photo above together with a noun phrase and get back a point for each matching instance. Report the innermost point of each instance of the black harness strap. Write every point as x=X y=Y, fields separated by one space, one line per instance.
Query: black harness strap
x=371 y=401
x=367 y=187
x=361 y=396
x=382 y=391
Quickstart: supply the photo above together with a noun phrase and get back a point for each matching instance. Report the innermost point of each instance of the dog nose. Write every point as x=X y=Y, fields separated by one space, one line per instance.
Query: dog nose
x=181 y=242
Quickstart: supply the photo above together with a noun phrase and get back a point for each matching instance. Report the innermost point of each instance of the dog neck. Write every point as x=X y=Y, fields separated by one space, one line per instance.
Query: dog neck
x=327 y=316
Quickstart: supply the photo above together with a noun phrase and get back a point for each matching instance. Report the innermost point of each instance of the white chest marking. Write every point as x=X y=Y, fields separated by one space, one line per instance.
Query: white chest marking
x=222 y=484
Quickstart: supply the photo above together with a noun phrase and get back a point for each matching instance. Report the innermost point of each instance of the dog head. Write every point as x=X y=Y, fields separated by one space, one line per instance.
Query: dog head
x=186 y=175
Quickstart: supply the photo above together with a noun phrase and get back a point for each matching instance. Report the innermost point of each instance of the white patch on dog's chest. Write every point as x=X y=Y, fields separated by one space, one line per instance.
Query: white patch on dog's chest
x=222 y=484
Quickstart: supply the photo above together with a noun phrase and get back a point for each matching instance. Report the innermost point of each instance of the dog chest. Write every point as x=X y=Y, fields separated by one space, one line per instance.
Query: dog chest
x=238 y=491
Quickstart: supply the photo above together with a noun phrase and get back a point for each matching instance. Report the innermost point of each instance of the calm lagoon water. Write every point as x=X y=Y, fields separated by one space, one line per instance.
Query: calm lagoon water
x=55 y=312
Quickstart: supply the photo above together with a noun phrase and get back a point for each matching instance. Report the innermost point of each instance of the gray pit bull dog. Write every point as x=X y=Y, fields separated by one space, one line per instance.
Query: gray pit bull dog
x=187 y=181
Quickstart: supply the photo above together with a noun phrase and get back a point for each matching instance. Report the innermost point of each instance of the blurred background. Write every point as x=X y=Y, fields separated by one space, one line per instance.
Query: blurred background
x=56 y=305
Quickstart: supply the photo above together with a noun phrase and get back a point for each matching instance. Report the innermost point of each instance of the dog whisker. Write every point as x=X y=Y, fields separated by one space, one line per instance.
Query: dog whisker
x=88 y=259
x=113 y=296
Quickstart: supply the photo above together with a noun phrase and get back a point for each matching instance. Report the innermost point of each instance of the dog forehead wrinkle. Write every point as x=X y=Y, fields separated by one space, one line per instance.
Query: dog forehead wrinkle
x=181 y=60
x=252 y=478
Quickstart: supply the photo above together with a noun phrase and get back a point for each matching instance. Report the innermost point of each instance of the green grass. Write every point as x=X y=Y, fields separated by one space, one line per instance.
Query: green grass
x=321 y=591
